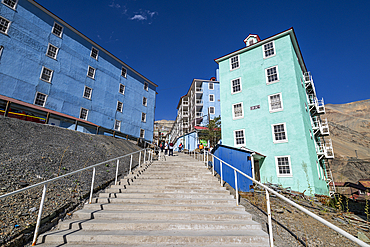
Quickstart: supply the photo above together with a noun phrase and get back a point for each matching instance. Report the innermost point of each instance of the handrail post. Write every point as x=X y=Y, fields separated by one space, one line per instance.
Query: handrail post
x=151 y=156
x=39 y=216
x=236 y=188
x=144 y=155
x=115 y=181
x=139 y=157
x=92 y=186
x=130 y=164
x=207 y=158
x=221 y=173
x=269 y=218
x=213 y=165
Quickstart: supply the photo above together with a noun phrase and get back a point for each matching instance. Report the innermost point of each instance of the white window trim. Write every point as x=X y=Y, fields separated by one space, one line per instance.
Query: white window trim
x=213 y=98
x=34 y=101
x=88 y=69
x=1 y=50
x=85 y=91
x=273 y=133
x=51 y=75
x=214 y=110
x=263 y=49
x=277 y=167
x=209 y=86
x=143 y=136
x=7 y=29
x=124 y=69
x=277 y=72
x=232 y=109
x=87 y=113
x=281 y=100
x=146 y=101
x=124 y=89
x=61 y=32
x=115 y=124
x=118 y=102
x=97 y=54
x=13 y=8
x=238 y=62
x=144 y=117
x=56 y=53
x=240 y=80
x=239 y=145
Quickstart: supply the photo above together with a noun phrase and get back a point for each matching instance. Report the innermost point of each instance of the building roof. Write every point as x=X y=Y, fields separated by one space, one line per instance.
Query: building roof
x=364 y=182
x=89 y=40
x=290 y=32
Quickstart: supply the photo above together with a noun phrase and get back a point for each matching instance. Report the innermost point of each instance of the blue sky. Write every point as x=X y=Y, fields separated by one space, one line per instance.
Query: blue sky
x=172 y=42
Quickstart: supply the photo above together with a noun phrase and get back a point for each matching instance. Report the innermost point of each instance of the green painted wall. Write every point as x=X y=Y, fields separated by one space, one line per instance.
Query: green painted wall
x=257 y=123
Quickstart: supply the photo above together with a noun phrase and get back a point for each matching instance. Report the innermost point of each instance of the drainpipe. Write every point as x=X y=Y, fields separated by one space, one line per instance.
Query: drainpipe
x=252 y=162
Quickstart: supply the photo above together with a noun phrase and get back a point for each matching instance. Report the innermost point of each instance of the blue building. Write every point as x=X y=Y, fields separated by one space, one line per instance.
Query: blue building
x=46 y=63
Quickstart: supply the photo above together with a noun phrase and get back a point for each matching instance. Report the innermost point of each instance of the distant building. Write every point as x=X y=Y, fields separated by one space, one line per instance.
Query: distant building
x=48 y=66
x=162 y=129
x=269 y=104
x=194 y=110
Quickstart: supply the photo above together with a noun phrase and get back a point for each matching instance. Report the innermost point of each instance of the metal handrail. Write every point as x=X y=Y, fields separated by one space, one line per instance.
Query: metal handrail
x=44 y=183
x=267 y=189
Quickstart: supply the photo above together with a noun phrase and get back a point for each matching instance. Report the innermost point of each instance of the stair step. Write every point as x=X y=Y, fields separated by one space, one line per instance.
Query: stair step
x=134 y=189
x=167 y=195
x=167 y=201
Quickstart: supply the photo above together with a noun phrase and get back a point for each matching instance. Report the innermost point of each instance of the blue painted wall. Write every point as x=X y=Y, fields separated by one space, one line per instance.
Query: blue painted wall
x=206 y=103
x=237 y=158
x=24 y=55
x=189 y=141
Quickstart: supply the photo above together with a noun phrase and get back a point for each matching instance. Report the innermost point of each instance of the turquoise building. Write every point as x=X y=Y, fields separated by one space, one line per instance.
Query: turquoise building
x=269 y=104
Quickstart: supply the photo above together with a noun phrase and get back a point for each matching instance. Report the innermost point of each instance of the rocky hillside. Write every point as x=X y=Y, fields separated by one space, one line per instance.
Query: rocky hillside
x=350 y=132
x=31 y=153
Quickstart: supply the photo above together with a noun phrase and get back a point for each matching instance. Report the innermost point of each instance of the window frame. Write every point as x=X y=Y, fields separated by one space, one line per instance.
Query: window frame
x=277 y=74
x=213 y=98
x=277 y=167
x=56 y=52
x=87 y=113
x=231 y=63
x=232 y=86
x=145 y=101
x=233 y=112
x=1 y=50
x=7 y=27
x=123 y=69
x=214 y=110
x=142 y=133
x=273 y=48
x=88 y=70
x=42 y=72
x=211 y=87
x=89 y=93
x=15 y=4
x=119 y=125
x=119 y=107
x=143 y=115
x=146 y=86
x=235 y=138
x=34 y=101
x=61 y=32
x=281 y=103
x=97 y=53
x=285 y=132
x=124 y=89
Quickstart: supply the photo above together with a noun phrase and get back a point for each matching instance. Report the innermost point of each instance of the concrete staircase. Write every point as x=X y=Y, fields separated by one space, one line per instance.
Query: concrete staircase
x=169 y=203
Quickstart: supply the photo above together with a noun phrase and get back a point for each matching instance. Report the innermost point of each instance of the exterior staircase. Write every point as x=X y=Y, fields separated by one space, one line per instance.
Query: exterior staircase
x=168 y=203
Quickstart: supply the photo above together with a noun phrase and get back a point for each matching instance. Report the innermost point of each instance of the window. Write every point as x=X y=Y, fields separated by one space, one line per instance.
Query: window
x=87 y=92
x=234 y=62
x=94 y=53
x=251 y=42
x=57 y=30
x=211 y=98
x=283 y=167
x=236 y=86
x=279 y=133
x=119 y=106
x=91 y=72
x=211 y=110
x=52 y=51
x=40 y=99
x=272 y=75
x=239 y=138
x=144 y=101
x=146 y=86
x=121 y=88
x=4 y=25
x=268 y=49
x=10 y=3
x=210 y=86
x=143 y=117
x=1 y=50
x=238 y=111
x=275 y=102
x=117 y=125
x=46 y=74
x=142 y=133
x=124 y=72
x=83 y=113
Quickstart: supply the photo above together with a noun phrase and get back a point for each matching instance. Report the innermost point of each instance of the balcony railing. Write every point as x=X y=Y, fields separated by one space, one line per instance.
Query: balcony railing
x=185 y=114
x=320 y=125
x=198 y=114
x=325 y=148
x=316 y=104
x=198 y=90
x=199 y=102
x=185 y=103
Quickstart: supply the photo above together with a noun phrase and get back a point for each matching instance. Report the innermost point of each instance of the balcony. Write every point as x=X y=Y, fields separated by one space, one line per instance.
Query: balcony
x=325 y=148
x=185 y=103
x=185 y=125
x=320 y=126
x=198 y=90
x=316 y=104
x=185 y=113
x=198 y=115
x=199 y=102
